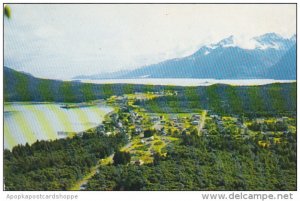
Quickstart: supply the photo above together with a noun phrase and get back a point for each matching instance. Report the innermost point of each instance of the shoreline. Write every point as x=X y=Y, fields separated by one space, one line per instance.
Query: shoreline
x=59 y=133
x=186 y=82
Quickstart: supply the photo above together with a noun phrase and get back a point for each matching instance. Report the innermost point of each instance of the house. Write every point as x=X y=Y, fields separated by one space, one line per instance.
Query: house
x=243 y=126
x=283 y=119
x=214 y=116
x=219 y=122
x=154 y=118
x=119 y=99
x=106 y=122
x=133 y=114
x=195 y=122
x=196 y=116
x=139 y=162
x=150 y=139
x=173 y=118
x=157 y=127
x=124 y=109
x=83 y=186
x=163 y=132
x=260 y=120
x=120 y=125
x=138 y=130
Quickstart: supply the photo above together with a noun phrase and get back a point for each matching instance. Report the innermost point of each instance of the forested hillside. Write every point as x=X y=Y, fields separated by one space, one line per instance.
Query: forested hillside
x=19 y=86
x=208 y=163
x=266 y=100
x=251 y=100
x=58 y=164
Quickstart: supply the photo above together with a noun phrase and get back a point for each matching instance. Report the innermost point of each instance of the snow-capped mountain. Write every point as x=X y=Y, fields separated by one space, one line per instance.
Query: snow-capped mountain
x=226 y=59
x=272 y=40
x=226 y=42
x=266 y=41
x=285 y=68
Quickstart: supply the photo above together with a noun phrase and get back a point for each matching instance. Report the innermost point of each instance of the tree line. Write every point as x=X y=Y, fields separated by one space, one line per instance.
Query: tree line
x=207 y=163
x=58 y=164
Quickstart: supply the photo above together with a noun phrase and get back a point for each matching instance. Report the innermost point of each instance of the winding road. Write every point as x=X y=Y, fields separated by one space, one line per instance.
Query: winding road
x=202 y=121
x=79 y=184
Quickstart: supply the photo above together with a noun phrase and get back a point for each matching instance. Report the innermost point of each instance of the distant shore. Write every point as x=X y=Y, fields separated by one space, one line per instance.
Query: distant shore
x=187 y=81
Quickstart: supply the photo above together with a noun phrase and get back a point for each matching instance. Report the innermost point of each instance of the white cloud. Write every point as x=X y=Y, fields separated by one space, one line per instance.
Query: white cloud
x=61 y=41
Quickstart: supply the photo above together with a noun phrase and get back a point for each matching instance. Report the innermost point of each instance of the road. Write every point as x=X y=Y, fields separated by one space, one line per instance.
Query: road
x=79 y=184
x=202 y=121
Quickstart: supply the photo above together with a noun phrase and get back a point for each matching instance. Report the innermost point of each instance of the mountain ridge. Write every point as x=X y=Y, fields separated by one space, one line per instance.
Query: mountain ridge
x=225 y=59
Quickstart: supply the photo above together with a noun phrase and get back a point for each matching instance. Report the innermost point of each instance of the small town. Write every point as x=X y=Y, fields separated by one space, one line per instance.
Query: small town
x=150 y=133
x=150 y=97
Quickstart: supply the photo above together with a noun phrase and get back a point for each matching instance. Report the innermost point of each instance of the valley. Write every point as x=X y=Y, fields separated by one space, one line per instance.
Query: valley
x=154 y=135
x=149 y=97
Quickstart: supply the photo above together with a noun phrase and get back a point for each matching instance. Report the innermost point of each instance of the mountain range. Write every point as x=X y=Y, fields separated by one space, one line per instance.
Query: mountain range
x=271 y=57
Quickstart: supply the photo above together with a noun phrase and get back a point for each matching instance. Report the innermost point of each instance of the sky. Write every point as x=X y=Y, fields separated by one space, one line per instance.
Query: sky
x=65 y=40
